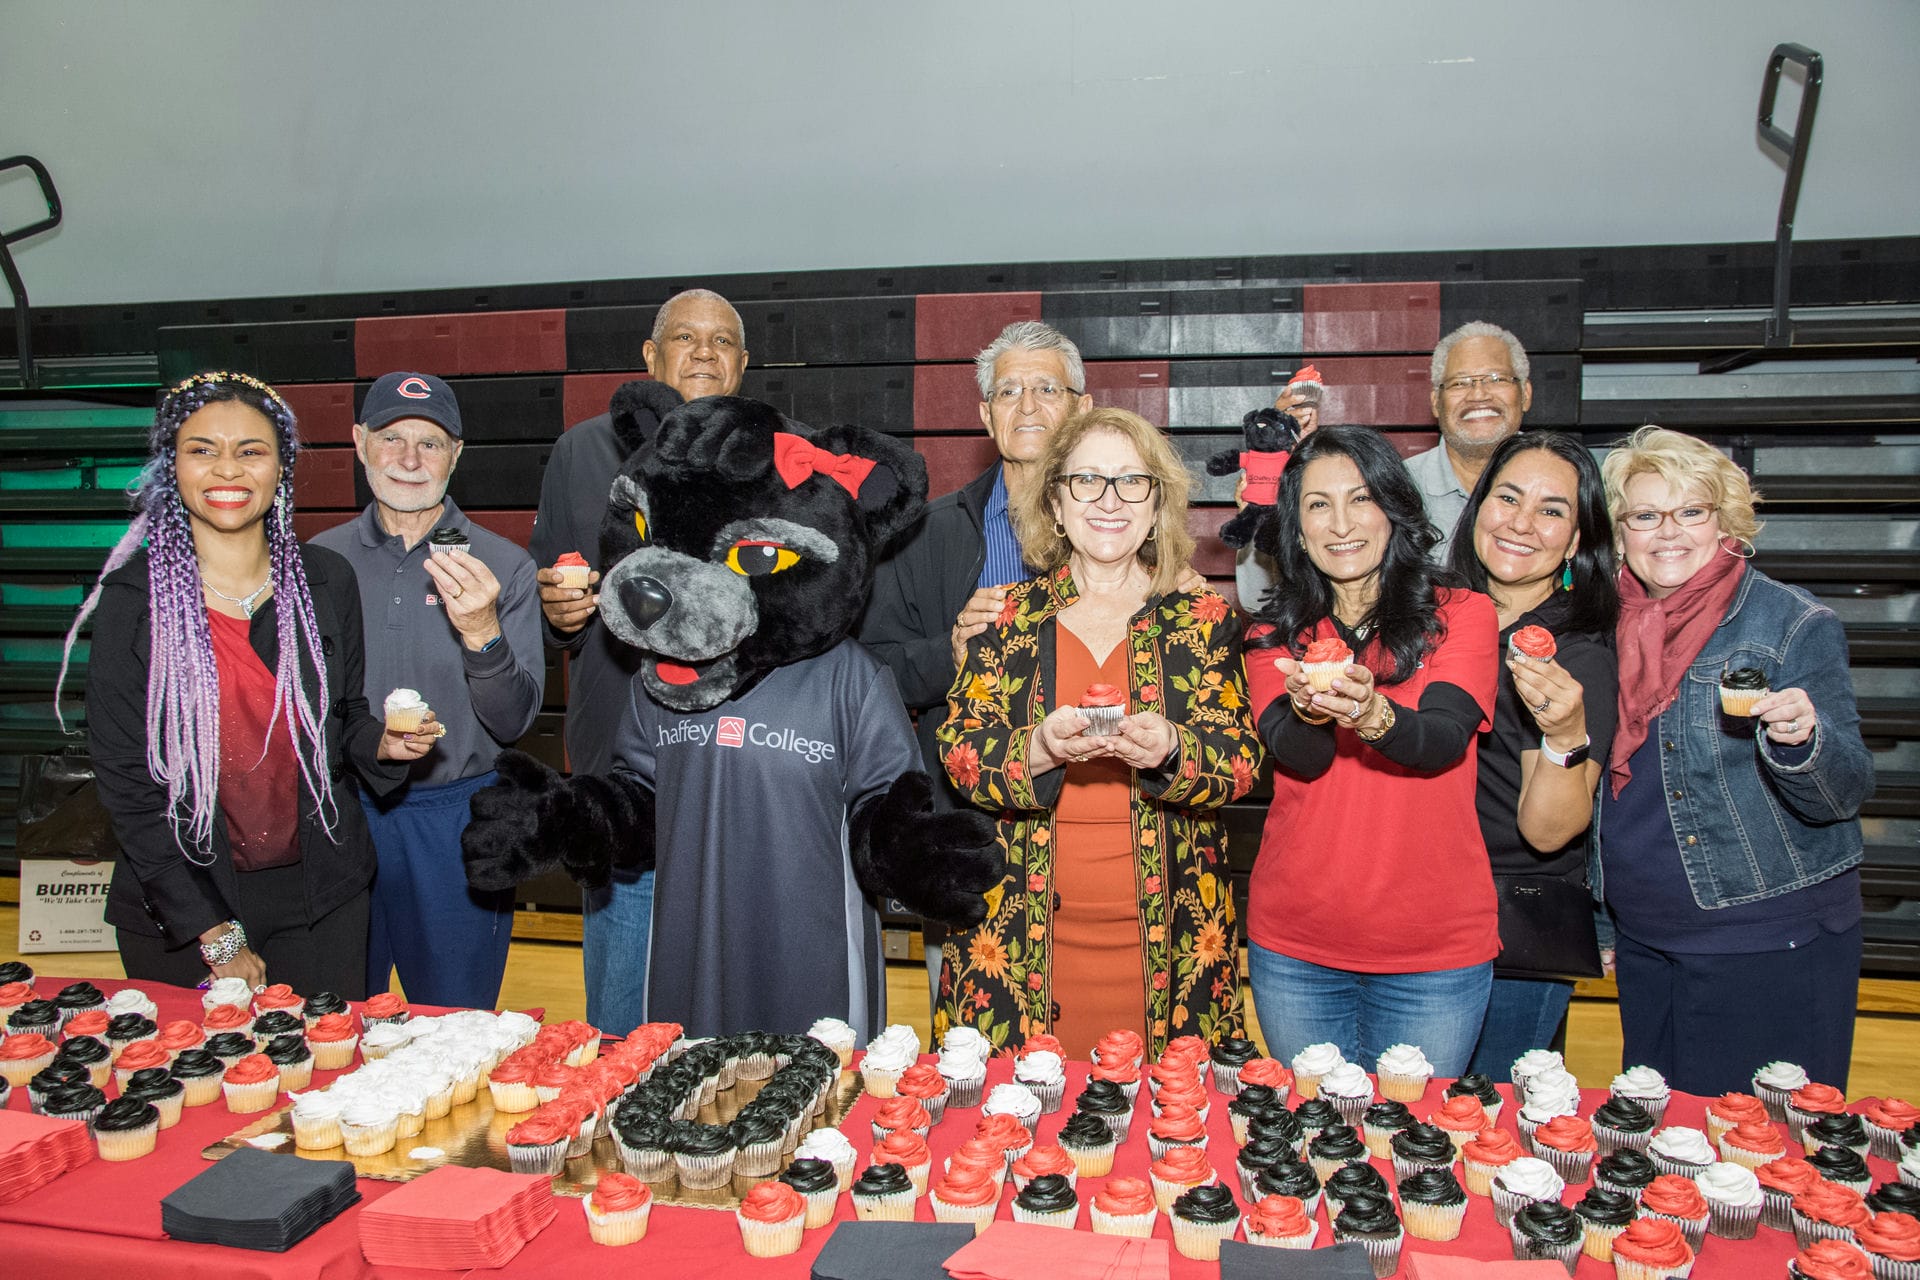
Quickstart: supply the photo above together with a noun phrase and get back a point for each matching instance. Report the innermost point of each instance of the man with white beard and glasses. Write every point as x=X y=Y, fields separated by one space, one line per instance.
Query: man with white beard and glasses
x=1480 y=392
x=452 y=613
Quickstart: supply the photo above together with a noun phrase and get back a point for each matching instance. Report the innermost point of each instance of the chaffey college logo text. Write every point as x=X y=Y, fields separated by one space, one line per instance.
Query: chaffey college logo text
x=735 y=731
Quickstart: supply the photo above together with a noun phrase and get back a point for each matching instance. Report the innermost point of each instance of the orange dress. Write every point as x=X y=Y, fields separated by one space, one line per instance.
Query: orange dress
x=1098 y=970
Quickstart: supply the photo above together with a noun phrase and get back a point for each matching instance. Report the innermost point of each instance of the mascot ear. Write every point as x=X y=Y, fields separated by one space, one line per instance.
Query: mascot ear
x=894 y=493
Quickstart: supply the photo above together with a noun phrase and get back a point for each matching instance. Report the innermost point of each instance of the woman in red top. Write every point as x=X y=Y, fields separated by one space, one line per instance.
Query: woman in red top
x=223 y=706
x=1372 y=912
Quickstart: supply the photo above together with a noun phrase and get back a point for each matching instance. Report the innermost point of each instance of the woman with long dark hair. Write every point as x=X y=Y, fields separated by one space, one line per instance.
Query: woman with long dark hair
x=1536 y=538
x=224 y=706
x=1371 y=913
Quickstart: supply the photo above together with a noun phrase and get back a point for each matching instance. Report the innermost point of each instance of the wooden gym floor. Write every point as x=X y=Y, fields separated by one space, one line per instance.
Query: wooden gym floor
x=1886 y=1045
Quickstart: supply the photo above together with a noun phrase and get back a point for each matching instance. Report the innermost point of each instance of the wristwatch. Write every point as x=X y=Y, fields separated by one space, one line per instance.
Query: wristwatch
x=1573 y=758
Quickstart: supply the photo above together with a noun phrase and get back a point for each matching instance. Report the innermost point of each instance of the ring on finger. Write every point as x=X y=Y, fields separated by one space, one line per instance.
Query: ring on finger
x=1542 y=708
x=1791 y=726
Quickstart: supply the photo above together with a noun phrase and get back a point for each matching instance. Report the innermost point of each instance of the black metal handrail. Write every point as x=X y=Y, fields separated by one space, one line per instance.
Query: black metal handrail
x=22 y=312
x=1794 y=151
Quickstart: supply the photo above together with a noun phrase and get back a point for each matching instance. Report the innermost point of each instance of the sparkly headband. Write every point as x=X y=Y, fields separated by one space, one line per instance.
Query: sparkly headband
x=244 y=379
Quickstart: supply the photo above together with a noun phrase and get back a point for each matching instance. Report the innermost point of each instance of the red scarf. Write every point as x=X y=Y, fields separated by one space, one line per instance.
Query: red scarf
x=1657 y=640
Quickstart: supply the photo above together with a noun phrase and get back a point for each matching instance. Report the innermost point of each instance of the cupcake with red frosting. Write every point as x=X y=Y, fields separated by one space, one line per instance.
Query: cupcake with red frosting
x=1123 y=1207
x=251 y=1084
x=1830 y=1260
x=279 y=996
x=907 y=1149
x=573 y=570
x=1102 y=706
x=1280 y=1222
x=1484 y=1155
x=1892 y=1244
x=1730 y=1110
x=1812 y=1102
x=1460 y=1119
x=1177 y=1125
x=1566 y=1143
x=967 y=1194
x=1678 y=1200
x=1181 y=1169
x=1780 y=1181
x=139 y=1056
x=1051 y=1158
x=1828 y=1211
x=772 y=1218
x=539 y=1144
x=1888 y=1120
x=1532 y=644
x=1119 y=1045
x=181 y=1034
x=227 y=1017
x=618 y=1210
x=385 y=1007
x=1325 y=661
x=1651 y=1249
x=333 y=1040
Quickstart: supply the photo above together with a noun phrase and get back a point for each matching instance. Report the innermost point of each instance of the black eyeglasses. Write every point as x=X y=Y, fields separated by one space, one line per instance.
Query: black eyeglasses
x=1084 y=486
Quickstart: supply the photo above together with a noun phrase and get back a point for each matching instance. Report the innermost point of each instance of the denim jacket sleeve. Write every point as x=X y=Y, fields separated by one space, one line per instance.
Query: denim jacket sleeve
x=1835 y=779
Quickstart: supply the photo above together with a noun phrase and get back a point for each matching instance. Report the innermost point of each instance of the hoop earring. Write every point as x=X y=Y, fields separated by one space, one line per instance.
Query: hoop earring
x=1059 y=530
x=1745 y=544
x=1566 y=574
x=1152 y=534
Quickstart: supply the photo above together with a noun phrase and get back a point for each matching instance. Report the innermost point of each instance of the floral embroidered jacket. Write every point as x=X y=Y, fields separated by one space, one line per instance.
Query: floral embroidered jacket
x=1185 y=663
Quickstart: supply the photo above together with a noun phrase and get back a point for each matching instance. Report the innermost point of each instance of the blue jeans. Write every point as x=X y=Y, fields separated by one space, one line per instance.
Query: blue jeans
x=1523 y=1014
x=616 y=928
x=1300 y=1003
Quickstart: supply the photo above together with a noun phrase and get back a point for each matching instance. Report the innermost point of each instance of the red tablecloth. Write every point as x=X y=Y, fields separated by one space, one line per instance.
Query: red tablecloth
x=105 y=1218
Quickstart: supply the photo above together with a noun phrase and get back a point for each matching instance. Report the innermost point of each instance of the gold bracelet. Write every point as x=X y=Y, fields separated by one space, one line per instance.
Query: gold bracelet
x=1326 y=719
x=1386 y=722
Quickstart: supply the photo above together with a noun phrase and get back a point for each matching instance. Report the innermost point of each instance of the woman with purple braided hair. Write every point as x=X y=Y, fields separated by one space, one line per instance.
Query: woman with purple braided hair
x=225 y=708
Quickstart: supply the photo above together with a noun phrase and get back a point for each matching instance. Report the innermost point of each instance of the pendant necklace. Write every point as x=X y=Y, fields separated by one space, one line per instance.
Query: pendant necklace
x=245 y=602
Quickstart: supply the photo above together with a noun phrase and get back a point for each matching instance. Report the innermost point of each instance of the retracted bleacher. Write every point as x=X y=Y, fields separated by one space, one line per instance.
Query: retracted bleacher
x=1830 y=429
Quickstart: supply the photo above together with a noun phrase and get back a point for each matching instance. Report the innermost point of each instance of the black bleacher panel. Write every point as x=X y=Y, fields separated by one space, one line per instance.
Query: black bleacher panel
x=1234 y=322
x=489 y=475
x=1546 y=315
x=1890 y=644
x=1119 y=325
x=876 y=396
x=503 y=410
x=288 y=351
x=1725 y=412
x=1220 y=392
x=830 y=331
x=608 y=337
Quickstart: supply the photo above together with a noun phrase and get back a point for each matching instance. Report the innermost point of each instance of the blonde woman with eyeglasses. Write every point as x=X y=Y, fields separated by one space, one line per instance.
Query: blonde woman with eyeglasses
x=1103 y=715
x=1728 y=827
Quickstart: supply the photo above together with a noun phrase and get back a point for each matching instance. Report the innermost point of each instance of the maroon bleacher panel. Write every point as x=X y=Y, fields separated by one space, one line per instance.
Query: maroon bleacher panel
x=1370 y=317
x=515 y=526
x=1412 y=442
x=324 y=410
x=955 y=326
x=954 y=460
x=1212 y=557
x=1136 y=385
x=945 y=398
x=323 y=478
x=586 y=395
x=466 y=343
x=1390 y=391
x=308 y=524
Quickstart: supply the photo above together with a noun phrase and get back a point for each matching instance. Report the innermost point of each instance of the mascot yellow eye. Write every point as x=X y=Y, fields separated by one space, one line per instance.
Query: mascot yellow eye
x=757 y=559
x=640 y=523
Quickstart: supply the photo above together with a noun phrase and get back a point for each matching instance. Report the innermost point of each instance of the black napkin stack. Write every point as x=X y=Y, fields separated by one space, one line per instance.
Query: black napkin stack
x=255 y=1200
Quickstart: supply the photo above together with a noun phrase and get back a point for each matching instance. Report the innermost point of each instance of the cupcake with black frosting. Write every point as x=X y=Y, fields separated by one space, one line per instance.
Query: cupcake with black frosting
x=1843 y=1130
x=157 y=1086
x=1316 y=1114
x=56 y=1074
x=275 y=1023
x=1278 y=1122
x=1258 y=1155
x=295 y=1060
x=230 y=1046
x=1740 y=688
x=15 y=971
x=1228 y=1057
x=818 y=1184
x=1603 y=1215
x=1434 y=1202
x=884 y=1193
x=1380 y=1122
x=447 y=538
x=78 y=997
x=80 y=1102
x=42 y=1016
x=1896 y=1197
x=1626 y=1171
x=702 y=1155
x=1088 y=1140
x=90 y=1053
x=1294 y=1178
x=1333 y=1148
x=644 y=1143
x=1370 y=1222
x=126 y=1129
x=1104 y=1099
x=1549 y=1232
x=1843 y=1165
x=200 y=1073
x=1047 y=1200
x=1354 y=1182
x=1204 y=1217
x=1476 y=1085
x=1248 y=1103
x=757 y=1139
x=1621 y=1124
x=1421 y=1147
x=130 y=1028
x=322 y=1003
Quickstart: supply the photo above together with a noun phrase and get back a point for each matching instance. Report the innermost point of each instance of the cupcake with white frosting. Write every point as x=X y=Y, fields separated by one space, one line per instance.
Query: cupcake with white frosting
x=1733 y=1200
x=1679 y=1149
x=1311 y=1064
x=1404 y=1072
x=1645 y=1086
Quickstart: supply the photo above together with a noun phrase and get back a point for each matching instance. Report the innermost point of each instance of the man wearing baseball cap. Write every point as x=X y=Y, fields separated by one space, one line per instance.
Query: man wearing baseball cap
x=452 y=614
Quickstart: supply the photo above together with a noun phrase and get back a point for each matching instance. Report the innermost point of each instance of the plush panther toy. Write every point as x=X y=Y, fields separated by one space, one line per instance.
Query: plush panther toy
x=766 y=767
x=1270 y=436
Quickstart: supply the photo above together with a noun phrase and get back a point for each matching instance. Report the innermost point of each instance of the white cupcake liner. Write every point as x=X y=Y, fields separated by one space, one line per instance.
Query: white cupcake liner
x=1137 y=1225
x=1201 y=1241
x=978 y=1215
x=1048 y=1217
x=1693 y=1230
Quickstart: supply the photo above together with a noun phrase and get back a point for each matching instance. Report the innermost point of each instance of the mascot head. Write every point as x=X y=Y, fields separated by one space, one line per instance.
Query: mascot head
x=734 y=545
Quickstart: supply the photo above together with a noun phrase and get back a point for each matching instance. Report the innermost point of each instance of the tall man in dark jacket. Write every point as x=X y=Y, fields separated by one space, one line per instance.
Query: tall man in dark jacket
x=945 y=583
x=697 y=349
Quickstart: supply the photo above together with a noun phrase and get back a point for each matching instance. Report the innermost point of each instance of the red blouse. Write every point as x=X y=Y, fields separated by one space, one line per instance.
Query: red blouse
x=259 y=779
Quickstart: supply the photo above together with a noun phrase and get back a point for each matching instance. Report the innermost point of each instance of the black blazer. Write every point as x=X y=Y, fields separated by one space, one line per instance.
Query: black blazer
x=156 y=890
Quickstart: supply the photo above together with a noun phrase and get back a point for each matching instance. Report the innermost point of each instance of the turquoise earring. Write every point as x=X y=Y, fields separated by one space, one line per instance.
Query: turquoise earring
x=1566 y=575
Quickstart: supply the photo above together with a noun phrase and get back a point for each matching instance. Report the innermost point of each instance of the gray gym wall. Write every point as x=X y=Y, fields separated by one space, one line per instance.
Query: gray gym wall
x=209 y=148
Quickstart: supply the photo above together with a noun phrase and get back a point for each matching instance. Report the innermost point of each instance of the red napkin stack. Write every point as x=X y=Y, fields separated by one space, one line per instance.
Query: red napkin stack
x=456 y=1219
x=1431 y=1266
x=1021 y=1250
x=35 y=1150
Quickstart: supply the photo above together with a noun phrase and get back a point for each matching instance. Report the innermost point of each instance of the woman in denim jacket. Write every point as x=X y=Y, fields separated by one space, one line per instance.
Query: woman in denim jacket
x=1728 y=829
